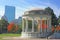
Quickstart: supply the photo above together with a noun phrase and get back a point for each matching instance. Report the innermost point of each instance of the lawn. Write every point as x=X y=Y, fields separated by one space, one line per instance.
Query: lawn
x=9 y=35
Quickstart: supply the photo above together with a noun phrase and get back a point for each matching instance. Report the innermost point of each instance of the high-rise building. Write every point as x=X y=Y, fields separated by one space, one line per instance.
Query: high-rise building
x=10 y=13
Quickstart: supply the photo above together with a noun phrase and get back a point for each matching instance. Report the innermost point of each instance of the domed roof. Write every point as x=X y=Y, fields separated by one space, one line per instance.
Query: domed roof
x=30 y=9
x=34 y=9
x=37 y=11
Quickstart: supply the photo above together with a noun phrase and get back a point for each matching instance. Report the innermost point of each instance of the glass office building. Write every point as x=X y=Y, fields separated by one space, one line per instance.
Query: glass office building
x=10 y=13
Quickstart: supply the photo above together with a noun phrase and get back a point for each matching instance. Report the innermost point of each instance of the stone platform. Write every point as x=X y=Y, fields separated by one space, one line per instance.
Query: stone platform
x=34 y=35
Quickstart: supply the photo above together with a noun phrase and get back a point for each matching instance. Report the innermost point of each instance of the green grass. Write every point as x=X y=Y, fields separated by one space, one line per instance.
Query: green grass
x=9 y=35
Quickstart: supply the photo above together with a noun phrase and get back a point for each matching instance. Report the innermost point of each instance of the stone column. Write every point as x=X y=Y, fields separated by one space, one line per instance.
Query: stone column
x=26 y=25
x=33 y=25
x=45 y=21
x=41 y=25
x=22 y=25
x=50 y=27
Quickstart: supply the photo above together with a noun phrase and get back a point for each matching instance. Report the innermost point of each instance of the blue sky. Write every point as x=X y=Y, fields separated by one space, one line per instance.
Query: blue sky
x=23 y=5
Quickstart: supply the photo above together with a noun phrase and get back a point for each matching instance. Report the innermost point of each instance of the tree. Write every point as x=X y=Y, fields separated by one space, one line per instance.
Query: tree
x=53 y=16
x=12 y=28
x=53 y=29
x=0 y=26
x=19 y=28
x=3 y=25
x=59 y=19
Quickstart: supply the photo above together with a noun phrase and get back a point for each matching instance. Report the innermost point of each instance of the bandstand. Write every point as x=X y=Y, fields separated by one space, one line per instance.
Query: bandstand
x=36 y=23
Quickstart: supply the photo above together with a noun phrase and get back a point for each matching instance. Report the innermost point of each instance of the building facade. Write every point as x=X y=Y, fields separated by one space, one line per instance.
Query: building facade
x=10 y=13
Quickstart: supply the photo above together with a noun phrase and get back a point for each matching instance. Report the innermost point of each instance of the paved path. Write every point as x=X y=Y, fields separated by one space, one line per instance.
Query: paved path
x=18 y=38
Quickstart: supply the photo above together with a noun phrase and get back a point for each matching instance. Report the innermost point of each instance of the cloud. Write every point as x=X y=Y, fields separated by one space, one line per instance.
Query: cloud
x=19 y=12
x=1 y=10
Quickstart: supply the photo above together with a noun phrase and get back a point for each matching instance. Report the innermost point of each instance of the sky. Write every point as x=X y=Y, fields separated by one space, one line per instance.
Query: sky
x=23 y=5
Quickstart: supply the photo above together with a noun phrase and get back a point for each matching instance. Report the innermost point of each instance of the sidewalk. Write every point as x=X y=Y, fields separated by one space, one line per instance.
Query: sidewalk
x=18 y=38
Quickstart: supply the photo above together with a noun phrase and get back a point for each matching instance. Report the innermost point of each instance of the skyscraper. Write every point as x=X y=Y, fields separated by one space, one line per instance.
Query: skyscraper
x=10 y=13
